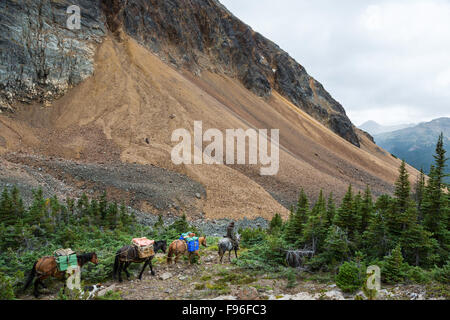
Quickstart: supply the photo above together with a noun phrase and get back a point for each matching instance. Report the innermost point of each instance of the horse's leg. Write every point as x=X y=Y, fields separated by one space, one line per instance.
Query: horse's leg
x=120 y=271
x=198 y=256
x=235 y=252
x=151 y=267
x=169 y=256
x=127 y=264
x=36 y=288
x=220 y=255
x=142 y=271
x=229 y=255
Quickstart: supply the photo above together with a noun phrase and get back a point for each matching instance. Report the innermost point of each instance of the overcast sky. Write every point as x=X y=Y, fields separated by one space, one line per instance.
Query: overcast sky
x=383 y=60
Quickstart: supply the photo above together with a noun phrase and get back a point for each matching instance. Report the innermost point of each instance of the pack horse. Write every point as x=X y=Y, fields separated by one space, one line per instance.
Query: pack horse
x=140 y=251
x=186 y=244
x=50 y=266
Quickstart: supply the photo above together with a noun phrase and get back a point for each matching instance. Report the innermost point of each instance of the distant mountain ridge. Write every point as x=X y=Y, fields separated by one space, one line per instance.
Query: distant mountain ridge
x=416 y=145
x=375 y=128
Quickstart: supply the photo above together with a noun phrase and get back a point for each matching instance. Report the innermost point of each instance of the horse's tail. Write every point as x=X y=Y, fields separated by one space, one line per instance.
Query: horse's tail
x=30 y=277
x=116 y=264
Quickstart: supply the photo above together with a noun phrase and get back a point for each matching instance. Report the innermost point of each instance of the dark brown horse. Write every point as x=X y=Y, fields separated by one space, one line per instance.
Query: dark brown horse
x=129 y=254
x=47 y=267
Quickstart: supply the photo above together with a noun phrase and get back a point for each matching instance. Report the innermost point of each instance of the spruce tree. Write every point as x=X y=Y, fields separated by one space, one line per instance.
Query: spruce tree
x=393 y=267
x=435 y=206
x=366 y=210
x=419 y=193
x=337 y=247
x=293 y=232
x=275 y=224
x=6 y=208
x=331 y=211
x=415 y=241
x=346 y=217
x=314 y=228
x=375 y=238
x=402 y=188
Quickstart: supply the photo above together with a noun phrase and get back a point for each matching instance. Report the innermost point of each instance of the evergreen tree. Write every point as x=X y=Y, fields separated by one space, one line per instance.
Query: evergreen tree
x=337 y=247
x=314 y=228
x=393 y=267
x=346 y=218
x=37 y=211
x=402 y=188
x=419 y=192
x=435 y=206
x=348 y=279
x=331 y=211
x=375 y=238
x=181 y=225
x=103 y=206
x=366 y=210
x=17 y=204
x=293 y=232
x=6 y=208
x=415 y=241
x=160 y=223
x=289 y=230
x=275 y=224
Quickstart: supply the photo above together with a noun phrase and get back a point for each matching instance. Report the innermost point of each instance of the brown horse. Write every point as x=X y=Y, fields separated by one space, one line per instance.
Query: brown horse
x=47 y=267
x=129 y=254
x=179 y=247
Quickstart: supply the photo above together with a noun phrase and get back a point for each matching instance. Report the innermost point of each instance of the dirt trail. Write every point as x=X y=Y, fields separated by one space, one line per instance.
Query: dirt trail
x=209 y=279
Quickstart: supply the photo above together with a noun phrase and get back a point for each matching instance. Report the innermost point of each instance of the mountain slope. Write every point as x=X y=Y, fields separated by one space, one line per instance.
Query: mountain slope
x=44 y=59
x=416 y=145
x=375 y=128
x=126 y=111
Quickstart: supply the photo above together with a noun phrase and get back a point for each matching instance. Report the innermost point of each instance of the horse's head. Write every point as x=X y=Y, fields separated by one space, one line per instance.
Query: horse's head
x=202 y=241
x=94 y=258
x=162 y=245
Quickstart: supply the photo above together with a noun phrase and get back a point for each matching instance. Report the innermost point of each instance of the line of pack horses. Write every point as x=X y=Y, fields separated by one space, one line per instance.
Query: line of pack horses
x=47 y=267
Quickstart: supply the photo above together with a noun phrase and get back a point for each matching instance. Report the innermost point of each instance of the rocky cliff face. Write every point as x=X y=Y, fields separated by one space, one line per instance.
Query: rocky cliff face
x=41 y=58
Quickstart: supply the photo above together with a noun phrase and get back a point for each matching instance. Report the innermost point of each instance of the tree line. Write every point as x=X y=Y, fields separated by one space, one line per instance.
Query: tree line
x=407 y=229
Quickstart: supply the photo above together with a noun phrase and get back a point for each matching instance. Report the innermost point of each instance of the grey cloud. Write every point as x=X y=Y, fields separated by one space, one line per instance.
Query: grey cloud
x=384 y=60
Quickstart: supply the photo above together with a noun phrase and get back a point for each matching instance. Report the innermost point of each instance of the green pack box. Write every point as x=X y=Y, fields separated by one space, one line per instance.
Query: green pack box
x=64 y=262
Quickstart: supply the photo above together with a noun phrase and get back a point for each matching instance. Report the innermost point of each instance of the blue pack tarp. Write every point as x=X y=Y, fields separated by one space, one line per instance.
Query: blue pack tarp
x=193 y=245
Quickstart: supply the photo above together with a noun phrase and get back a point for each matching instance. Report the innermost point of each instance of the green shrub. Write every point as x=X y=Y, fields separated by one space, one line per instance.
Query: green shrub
x=275 y=224
x=291 y=277
x=442 y=275
x=348 y=279
x=417 y=275
x=252 y=236
x=6 y=288
x=110 y=295
x=393 y=268
x=265 y=256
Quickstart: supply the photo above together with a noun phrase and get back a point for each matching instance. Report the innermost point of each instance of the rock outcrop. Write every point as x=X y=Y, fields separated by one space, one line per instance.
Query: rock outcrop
x=41 y=58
